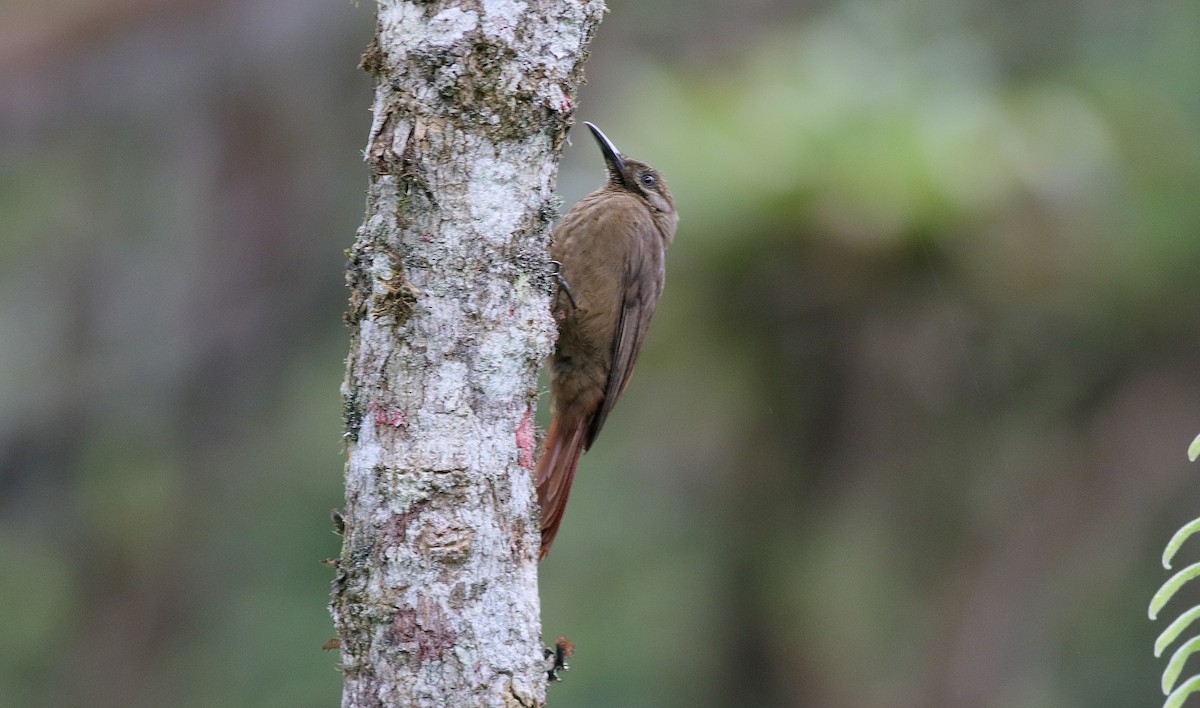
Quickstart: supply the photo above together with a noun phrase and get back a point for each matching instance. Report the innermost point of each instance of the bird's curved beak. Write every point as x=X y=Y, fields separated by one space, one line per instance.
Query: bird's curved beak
x=612 y=156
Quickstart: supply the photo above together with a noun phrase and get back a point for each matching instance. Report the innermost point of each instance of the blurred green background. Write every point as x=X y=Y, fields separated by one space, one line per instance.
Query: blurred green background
x=909 y=429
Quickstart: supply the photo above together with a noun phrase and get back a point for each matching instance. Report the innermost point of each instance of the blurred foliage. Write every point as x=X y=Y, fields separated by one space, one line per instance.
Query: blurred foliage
x=1177 y=692
x=906 y=431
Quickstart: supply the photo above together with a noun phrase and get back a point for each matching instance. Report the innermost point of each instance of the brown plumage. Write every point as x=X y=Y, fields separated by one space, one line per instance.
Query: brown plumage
x=612 y=246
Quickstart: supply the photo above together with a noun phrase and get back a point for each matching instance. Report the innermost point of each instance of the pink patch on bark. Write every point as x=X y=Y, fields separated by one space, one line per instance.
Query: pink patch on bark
x=390 y=416
x=526 y=441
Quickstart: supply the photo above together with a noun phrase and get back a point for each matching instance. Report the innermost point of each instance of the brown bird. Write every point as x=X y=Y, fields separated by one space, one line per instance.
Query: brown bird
x=611 y=247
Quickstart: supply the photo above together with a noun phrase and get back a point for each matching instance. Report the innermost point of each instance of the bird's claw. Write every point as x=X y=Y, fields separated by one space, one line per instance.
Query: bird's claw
x=556 y=271
x=556 y=658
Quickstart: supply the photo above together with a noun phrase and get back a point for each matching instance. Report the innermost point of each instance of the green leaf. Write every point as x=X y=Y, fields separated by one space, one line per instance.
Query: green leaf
x=1176 y=699
x=1175 y=629
x=1175 y=665
x=1177 y=541
x=1169 y=588
x=1194 y=449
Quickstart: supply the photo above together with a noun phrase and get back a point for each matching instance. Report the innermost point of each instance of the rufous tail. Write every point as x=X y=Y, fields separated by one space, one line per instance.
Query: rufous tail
x=555 y=472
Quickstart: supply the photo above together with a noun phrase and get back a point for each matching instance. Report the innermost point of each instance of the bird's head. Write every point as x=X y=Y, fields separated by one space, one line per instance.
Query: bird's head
x=634 y=176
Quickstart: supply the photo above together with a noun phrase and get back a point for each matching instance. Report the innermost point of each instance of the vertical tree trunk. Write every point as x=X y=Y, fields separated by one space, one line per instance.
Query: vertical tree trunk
x=435 y=599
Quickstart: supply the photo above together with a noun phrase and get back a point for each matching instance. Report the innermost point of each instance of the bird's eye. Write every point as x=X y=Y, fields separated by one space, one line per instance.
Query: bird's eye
x=647 y=179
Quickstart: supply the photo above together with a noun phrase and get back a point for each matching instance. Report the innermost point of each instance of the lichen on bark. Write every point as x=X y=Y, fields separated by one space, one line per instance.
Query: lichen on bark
x=435 y=598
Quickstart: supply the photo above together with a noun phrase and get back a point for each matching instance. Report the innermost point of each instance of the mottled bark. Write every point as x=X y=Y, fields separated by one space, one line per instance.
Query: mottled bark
x=435 y=599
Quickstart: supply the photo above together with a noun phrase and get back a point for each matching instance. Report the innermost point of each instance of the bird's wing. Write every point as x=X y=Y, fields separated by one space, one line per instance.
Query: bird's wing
x=641 y=290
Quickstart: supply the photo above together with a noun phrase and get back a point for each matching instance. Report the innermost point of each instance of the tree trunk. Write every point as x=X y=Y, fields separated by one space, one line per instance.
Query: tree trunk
x=435 y=599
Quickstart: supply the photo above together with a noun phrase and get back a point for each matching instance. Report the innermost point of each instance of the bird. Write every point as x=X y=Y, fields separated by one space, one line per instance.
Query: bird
x=610 y=250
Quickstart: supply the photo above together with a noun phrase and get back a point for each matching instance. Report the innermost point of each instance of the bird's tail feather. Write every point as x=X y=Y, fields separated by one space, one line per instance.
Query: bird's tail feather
x=555 y=472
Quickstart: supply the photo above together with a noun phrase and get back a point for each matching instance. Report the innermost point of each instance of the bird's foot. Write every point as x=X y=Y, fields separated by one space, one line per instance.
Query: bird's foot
x=556 y=271
x=556 y=658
